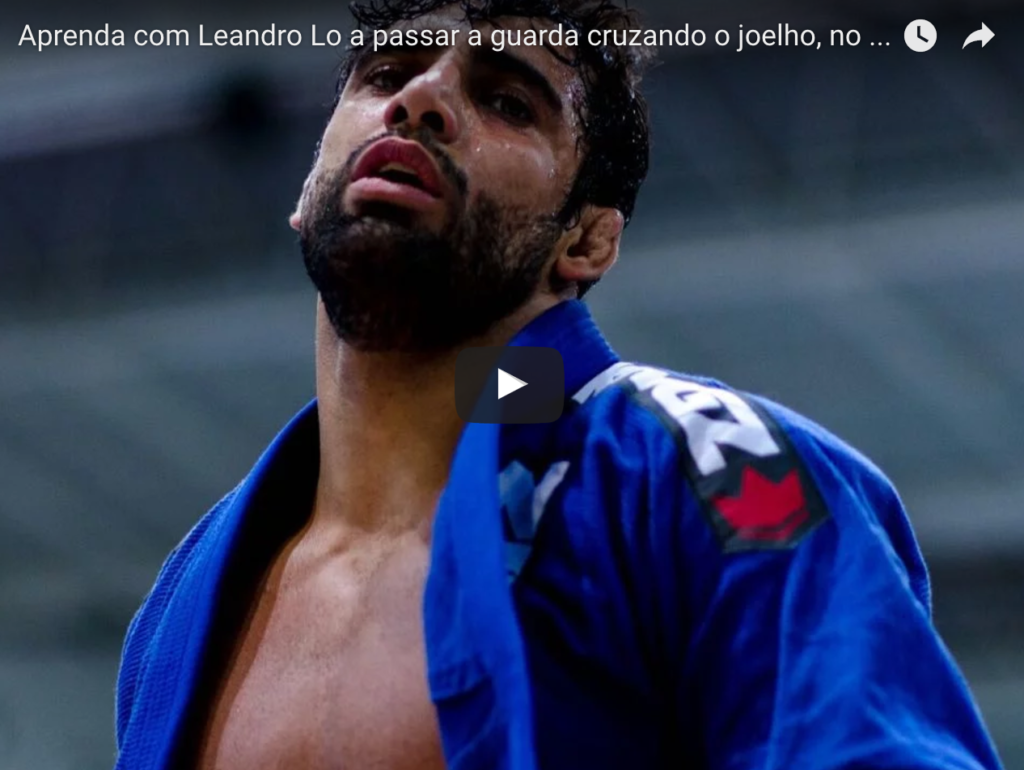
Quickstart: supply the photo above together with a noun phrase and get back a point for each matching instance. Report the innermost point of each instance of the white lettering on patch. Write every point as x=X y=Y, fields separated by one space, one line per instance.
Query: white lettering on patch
x=686 y=402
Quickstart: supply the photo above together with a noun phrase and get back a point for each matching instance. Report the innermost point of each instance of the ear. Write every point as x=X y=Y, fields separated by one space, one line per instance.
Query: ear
x=591 y=248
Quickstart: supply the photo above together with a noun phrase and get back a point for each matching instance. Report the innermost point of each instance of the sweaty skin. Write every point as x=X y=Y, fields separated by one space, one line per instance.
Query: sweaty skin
x=329 y=670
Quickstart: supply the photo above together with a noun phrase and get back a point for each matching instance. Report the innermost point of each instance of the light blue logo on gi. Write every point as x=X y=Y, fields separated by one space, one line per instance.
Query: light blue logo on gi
x=522 y=505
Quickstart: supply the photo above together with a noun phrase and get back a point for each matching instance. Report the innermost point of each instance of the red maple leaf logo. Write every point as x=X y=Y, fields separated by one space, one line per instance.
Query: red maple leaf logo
x=765 y=510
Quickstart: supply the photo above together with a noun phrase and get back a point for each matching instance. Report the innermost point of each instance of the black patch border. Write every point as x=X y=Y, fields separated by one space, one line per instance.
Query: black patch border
x=727 y=482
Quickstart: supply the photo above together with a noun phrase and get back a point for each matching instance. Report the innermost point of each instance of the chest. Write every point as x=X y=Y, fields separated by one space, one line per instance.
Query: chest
x=329 y=669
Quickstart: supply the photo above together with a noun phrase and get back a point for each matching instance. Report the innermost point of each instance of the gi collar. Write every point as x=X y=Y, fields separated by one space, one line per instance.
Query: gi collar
x=569 y=328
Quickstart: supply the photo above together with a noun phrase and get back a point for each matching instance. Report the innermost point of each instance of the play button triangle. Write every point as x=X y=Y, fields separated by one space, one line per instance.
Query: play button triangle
x=508 y=383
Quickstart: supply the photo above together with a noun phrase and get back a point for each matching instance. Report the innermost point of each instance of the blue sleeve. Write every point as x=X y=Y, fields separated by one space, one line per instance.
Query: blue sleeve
x=815 y=653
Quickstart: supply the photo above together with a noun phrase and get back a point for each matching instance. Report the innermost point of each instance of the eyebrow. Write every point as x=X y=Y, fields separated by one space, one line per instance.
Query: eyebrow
x=502 y=61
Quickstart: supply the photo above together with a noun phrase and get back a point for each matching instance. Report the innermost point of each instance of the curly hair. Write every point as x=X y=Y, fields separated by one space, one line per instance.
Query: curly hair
x=614 y=139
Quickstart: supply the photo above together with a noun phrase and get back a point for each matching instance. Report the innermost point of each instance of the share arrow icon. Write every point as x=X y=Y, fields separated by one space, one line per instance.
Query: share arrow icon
x=983 y=35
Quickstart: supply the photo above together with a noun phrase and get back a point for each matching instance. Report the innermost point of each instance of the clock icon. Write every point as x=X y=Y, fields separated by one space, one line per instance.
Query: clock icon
x=920 y=35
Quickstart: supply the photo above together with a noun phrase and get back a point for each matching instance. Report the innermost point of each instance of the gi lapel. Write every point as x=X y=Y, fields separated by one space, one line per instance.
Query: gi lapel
x=475 y=657
x=476 y=662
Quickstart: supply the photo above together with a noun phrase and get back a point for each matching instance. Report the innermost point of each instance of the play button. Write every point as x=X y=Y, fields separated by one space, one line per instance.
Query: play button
x=509 y=384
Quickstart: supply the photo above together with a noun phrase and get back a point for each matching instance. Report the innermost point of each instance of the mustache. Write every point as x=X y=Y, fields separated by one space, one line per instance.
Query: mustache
x=425 y=138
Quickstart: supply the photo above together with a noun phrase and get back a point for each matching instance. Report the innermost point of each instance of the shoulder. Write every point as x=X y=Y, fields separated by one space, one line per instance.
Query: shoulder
x=146 y=621
x=179 y=557
x=763 y=475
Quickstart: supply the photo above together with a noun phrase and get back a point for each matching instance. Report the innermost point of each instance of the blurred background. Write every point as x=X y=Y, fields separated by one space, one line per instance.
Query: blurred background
x=841 y=230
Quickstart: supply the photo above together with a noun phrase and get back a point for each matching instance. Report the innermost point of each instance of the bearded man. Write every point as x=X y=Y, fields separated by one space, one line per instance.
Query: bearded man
x=672 y=574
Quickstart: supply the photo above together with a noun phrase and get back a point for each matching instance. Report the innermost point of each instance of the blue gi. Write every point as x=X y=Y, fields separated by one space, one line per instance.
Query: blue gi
x=674 y=574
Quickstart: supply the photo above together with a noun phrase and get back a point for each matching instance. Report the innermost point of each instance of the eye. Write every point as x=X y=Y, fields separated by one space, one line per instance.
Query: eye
x=388 y=78
x=512 y=108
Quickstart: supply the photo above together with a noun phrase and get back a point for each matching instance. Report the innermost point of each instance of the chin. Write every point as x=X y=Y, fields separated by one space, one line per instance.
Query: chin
x=431 y=222
x=390 y=281
x=383 y=211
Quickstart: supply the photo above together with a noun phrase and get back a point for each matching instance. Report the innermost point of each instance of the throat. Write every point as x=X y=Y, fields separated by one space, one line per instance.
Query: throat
x=388 y=431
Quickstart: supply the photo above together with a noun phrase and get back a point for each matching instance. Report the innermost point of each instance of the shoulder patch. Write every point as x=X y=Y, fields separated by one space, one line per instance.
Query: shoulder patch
x=751 y=484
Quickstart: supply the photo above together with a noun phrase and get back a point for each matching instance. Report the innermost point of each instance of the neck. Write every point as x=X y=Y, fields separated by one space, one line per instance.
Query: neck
x=388 y=429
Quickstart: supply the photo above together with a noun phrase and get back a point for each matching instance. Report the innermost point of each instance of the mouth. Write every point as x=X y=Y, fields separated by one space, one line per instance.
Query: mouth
x=399 y=174
x=397 y=171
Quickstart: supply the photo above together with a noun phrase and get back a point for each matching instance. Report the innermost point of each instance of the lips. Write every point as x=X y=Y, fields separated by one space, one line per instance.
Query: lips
x=399 y=162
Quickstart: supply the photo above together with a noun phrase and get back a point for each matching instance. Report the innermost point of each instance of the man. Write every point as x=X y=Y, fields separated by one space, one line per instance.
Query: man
x=689 y=576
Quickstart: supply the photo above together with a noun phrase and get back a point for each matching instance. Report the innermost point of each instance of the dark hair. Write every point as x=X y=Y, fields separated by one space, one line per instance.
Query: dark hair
x=614 y=137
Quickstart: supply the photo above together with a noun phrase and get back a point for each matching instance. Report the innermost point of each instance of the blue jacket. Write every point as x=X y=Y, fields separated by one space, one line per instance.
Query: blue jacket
x=674 y=574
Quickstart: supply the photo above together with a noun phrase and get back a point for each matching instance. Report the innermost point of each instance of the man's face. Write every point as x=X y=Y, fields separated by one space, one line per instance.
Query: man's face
x=430 y=213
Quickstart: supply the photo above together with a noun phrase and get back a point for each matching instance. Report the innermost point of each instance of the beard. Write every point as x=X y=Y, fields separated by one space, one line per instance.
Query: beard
x=388 y=285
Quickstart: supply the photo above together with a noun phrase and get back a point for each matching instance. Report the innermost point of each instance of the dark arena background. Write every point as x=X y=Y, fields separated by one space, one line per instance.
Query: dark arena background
x=840 y=229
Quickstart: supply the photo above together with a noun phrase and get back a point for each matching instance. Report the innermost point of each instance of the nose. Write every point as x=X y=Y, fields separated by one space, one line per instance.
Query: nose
x=428 y=100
